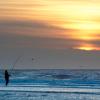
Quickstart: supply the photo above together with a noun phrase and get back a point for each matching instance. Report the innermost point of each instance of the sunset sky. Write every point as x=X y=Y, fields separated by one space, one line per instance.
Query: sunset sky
x=51 y=29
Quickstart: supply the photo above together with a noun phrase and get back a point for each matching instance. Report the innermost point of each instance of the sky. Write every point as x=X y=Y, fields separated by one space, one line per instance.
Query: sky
x=56 y=33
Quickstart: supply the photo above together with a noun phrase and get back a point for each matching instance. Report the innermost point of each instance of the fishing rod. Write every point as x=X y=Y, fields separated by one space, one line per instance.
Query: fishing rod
x=18 y=58
x=14 y=64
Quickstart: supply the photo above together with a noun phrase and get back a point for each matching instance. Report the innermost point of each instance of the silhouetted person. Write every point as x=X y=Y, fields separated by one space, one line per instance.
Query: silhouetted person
x=6 y=77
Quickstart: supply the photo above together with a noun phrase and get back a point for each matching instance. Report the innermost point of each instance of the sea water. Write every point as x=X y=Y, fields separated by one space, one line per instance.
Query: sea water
x=51 y=84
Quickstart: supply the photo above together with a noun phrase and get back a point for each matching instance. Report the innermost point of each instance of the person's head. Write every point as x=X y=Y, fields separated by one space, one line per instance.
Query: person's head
x=6 y=70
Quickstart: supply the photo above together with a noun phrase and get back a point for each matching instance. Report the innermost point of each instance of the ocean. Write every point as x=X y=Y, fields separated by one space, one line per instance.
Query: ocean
x=51 y=84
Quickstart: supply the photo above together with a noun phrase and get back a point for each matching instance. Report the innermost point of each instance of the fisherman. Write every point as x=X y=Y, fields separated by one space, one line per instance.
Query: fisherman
x=6 y=77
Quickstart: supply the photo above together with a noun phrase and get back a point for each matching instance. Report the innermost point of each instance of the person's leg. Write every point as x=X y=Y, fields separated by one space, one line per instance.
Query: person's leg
x=6 y=83
x=7 y=80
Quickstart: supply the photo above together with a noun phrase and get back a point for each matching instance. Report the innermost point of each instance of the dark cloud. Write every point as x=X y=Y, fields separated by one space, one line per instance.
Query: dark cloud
x=31 y=34
x=32 y=28
x=16 y=40
x=95 y=42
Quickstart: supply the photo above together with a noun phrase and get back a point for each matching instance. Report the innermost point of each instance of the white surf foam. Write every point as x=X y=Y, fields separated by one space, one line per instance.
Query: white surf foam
x=50 y=89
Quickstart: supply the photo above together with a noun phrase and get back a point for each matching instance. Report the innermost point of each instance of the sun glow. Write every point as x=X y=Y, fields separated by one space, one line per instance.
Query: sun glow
x=87 y=47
